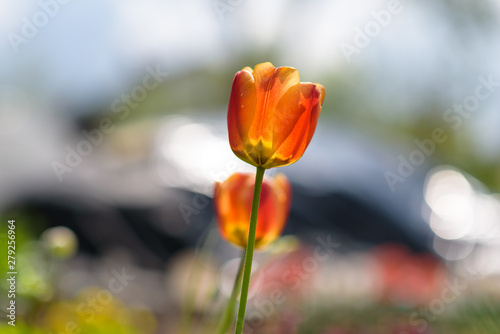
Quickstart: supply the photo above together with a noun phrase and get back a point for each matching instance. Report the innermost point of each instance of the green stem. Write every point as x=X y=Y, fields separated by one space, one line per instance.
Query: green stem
x=229 y=311
x=249 y=252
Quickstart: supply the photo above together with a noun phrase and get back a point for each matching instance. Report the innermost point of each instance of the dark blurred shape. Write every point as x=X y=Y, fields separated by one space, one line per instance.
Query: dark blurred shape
x=352 y=203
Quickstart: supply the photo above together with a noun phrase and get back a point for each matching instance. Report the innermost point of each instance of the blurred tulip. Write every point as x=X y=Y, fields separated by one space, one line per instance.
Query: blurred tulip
x=233 y=202
x=272 y=116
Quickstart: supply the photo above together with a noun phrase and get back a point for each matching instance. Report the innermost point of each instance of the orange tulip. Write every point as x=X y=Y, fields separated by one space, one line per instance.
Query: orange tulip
x=272 y=116
x=233 y=202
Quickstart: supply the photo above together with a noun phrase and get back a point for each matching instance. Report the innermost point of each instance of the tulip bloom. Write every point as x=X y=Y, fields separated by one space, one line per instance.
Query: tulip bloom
x=272 y=116
x=233 y=202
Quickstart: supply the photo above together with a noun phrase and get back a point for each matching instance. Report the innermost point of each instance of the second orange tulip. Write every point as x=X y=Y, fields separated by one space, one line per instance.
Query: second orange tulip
x=233 y=203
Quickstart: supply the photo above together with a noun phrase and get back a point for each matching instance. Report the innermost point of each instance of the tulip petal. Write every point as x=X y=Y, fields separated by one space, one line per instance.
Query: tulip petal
x=248 y=69
x=233 y=200
x=296 y=118
x=276 y=211
x=315 y=112
x=271 y=85
x=241 y=112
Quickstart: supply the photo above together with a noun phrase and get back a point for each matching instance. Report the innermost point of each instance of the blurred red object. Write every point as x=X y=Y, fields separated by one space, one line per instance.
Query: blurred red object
x=409 y=330
x=290 y=273
x=336 y=331
x=408 y=278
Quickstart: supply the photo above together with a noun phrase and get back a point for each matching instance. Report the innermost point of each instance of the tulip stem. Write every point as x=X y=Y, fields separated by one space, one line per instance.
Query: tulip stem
x=231 y=303
x=249 y=251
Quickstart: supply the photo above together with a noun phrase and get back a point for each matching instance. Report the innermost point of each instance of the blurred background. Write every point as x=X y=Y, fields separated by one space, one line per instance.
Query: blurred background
x=113 y=132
